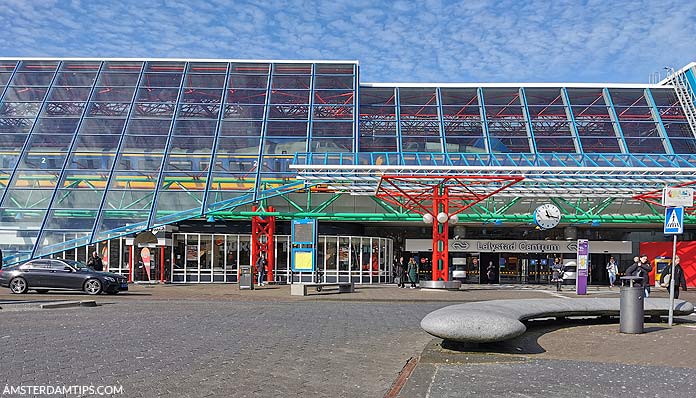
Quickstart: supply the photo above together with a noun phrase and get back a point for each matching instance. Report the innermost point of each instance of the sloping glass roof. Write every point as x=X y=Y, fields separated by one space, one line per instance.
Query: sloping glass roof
x=94 y=149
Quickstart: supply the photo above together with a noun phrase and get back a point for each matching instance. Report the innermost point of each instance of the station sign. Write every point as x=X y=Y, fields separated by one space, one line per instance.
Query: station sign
x=678 y=197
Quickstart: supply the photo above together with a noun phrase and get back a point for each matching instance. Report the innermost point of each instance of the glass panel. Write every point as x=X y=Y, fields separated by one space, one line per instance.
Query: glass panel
x=238 y=145
x=250 y=68
x=190 y=144
x=509 y=145
x=298 y=112
x=75 y=79
x=164 y=66
x=148 y=127
x=333 y=82
x=290 y=97
x=246 y=96
x=339 y=97
x=61 y=109
x=202 y=96
x=27 y=198
x=137 y=143
x=159 y=109
x=292 y=69
x=32 y=79
x=195 y=127
x=123 y=66
x=69 y=94
x=333 y=112
x=199 y=111
x=151 y=80
x=334 y=69
x=117 y=79
x=56 y=126
x=243 y=111
x=420 y=128
x=289 y=145
x=286 y=129
x=33 y=179
x=101 y=126
x=419 y=112
x=248 y=81
x=80 y=66
x=240 y=128
x=207 y=67
x=332 y=129
x=113 y=94
x=12 y=125
x=101 y=160
x=177 y=205
x=291 y=82
x=600 y=145
x=19 y=93
x=377 y=144
x=77 y=199
x=645 y=145
x=204 y=81
x=332 y=145
x=417 y=96
x=108 y=109
x=556 y=144
x=19 y=109
x=130 y=180
x=465 y=144
x=167 y=95
x=105 y=143
x=421 y=144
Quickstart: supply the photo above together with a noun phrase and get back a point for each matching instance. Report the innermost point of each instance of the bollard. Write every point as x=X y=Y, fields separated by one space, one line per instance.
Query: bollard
x=631 y=308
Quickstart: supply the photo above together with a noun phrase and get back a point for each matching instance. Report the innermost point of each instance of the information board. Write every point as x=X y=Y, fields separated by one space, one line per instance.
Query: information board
x=304 y=231
x=302 y=259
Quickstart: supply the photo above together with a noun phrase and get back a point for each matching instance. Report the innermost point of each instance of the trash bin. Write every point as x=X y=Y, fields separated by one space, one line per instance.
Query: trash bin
x=631 y=310
x=246 y=277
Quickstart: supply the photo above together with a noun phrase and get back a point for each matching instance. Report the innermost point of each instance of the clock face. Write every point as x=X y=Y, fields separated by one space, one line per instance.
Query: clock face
x=547 y=216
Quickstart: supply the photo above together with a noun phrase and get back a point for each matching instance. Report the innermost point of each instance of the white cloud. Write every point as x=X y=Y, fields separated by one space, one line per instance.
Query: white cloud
x=435 y=41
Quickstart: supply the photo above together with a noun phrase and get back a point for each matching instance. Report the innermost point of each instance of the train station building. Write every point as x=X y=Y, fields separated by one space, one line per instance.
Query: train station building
x=183 y=170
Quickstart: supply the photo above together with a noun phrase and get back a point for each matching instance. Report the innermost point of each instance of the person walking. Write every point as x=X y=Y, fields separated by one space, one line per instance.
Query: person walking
x=95 y=262
x=641 y=269
x=399 y=273
x=557 y=273
x=261 y=269
x=412 y=270
x=679 y=278
x=611 y=270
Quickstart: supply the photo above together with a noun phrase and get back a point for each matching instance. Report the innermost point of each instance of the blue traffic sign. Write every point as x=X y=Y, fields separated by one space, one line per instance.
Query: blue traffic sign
x=674 y=220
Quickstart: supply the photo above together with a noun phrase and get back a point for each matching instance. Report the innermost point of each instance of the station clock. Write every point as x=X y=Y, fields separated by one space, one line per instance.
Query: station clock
x=547 y=216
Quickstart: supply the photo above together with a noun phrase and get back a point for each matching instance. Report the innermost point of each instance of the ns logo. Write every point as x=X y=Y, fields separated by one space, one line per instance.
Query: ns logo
x=460 y=245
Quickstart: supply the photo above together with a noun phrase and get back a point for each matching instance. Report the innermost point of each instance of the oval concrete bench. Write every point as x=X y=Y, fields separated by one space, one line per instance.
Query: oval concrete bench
x=498 y=320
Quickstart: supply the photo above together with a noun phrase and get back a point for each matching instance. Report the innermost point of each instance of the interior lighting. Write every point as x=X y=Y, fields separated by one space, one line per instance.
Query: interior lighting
x=454 y=219
x=442 y=217
x=428 y=218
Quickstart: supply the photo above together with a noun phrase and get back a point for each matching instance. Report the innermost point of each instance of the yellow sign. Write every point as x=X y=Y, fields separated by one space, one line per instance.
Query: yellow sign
x=303 y=261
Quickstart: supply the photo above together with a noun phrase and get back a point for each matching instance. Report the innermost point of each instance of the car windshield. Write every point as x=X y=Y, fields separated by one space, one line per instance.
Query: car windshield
x=76 y=264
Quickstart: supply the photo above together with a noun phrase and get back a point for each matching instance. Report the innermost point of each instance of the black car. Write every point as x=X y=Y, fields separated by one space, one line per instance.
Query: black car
x=47 y=274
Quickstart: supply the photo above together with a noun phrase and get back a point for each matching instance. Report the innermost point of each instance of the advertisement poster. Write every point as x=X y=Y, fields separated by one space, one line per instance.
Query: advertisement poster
x=105 y=257
x=583 y=258
x=192 y=253
x=145 y=255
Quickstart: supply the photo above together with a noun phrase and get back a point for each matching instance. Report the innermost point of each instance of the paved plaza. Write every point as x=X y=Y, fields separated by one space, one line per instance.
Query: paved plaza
x=217 y=341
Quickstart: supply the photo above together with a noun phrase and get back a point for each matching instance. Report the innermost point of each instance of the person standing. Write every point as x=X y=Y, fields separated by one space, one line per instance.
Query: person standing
x=95 y=262
x=412 y=270
x=557 y=273
x=641 y=269
x=261 y=269
x=611 y=270
x=491 y=272
x=679 y=278
x=399 y=272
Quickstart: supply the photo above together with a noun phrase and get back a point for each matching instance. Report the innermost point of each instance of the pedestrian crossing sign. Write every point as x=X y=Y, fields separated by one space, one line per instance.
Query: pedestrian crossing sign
x=674 y=220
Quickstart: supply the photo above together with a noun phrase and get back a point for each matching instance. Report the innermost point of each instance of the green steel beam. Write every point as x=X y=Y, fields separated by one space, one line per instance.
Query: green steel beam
x=326 y=204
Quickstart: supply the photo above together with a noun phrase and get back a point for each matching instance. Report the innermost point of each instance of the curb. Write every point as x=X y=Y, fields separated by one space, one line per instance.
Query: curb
x=69 y=304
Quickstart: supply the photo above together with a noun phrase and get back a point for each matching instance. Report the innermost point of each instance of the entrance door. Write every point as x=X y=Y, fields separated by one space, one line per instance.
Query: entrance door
x=486 y=262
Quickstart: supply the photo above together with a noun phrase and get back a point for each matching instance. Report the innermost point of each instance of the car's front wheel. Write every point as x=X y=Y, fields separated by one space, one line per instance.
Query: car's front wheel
x=18 y=285
x=93 y=286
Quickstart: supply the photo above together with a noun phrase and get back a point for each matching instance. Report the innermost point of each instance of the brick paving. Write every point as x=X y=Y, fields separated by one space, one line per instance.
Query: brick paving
x=215 y=340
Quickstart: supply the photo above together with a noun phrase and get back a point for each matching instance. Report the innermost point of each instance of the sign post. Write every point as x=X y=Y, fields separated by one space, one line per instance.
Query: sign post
x=581 y=277
x=674 y=225
x=304 y=242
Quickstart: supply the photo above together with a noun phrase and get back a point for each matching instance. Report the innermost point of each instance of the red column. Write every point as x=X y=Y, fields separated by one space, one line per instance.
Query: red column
x=162 y=264
x=130 y=263
x=263 y=240
x=440 y=264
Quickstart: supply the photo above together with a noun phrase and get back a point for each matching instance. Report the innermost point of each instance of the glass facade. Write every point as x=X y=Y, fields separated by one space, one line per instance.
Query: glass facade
x=92 y=150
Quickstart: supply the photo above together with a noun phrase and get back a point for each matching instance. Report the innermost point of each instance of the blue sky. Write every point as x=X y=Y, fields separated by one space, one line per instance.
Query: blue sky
x=394 y=41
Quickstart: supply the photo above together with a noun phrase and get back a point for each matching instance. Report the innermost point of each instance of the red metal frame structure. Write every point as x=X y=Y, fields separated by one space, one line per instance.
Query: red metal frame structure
x=436 y=194
x=655 y=197
x=263 y=240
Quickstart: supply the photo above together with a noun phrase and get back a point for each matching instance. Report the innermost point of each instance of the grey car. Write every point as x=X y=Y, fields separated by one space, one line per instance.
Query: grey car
x=47 y=274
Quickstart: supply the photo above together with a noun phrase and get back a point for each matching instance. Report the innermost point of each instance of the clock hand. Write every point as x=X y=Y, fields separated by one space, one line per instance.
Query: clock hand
x=549 y=215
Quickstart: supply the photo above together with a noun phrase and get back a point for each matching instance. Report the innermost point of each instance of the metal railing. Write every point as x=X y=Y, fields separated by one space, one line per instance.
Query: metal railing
x=685 y=96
